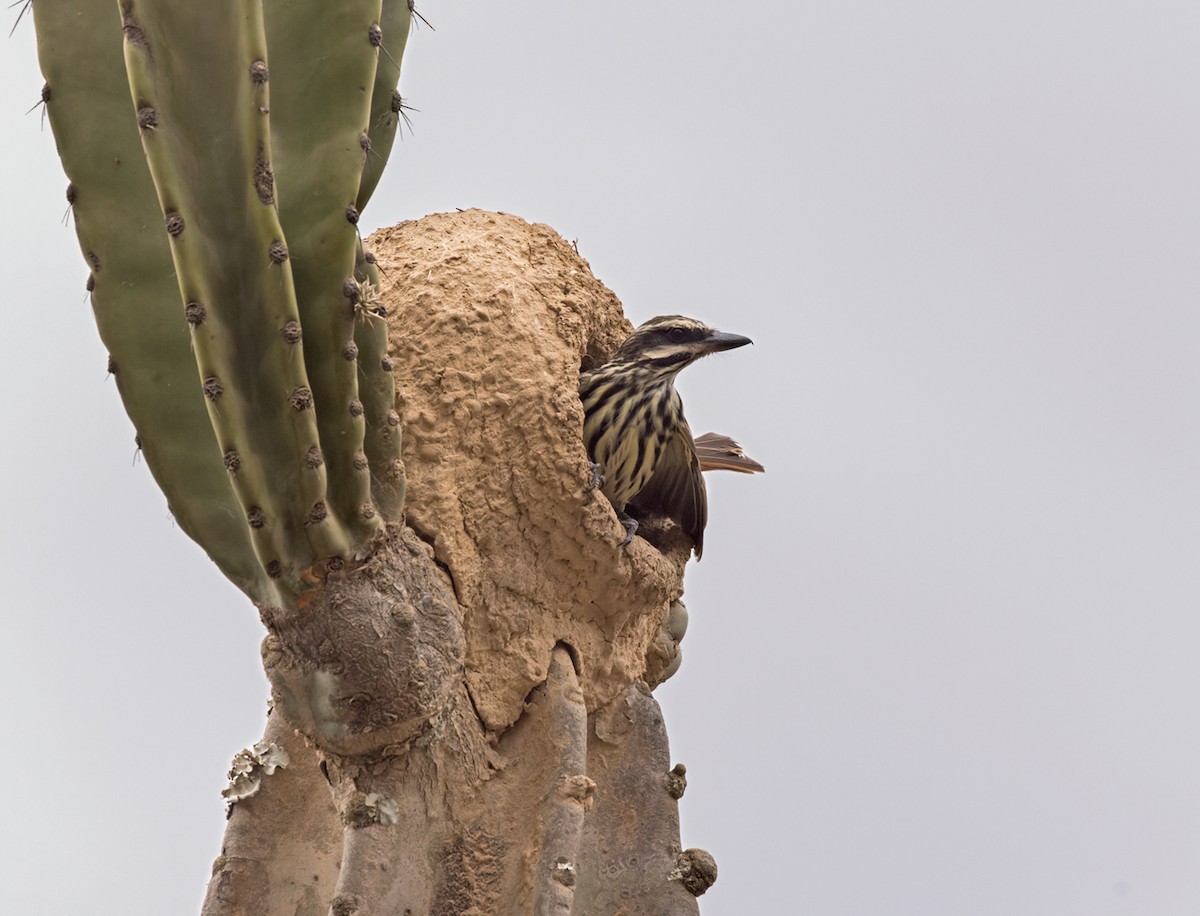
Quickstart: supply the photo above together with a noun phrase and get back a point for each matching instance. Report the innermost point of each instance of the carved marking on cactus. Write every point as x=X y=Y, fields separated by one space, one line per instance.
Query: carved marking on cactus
x=134 y=34
x=291 y=331
x=395 y=470
x=393 y=418
x=350 y=351
x=259 y=73
x=213 y=387
x=277 y=252
x=301 y=398
x=313 y=458
x=317 y=513
x=264 y=178
x=94 y=260
x=360 y=461
x=147 y=118
x=367 y=512
x=275 y=569
x=233 y=460
x=195 y=313
x=386 y=364
x=356 y=407
x=352 y=215
x=256 y=518
x=174 y=223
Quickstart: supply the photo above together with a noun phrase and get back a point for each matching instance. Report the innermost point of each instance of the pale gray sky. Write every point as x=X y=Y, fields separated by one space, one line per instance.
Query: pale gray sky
x=943 y=657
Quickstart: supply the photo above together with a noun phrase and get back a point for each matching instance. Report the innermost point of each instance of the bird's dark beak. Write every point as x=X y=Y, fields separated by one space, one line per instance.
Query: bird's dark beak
x=717 y=341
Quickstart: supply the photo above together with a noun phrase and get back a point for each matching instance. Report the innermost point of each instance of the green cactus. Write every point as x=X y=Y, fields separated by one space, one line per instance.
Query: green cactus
x=256 y=120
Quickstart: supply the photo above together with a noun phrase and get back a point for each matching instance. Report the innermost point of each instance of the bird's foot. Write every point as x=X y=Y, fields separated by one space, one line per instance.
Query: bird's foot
x=631 y=527
x=598 y=479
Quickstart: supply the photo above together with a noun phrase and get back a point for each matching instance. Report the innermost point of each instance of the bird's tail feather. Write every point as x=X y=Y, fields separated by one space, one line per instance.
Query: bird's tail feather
x=720 y=453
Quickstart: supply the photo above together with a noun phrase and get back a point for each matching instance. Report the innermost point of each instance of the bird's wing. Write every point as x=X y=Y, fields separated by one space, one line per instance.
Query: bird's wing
x=720 y=453
x=676 y=488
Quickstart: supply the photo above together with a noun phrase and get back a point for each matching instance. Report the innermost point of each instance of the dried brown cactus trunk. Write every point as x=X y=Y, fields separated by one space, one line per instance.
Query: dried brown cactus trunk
x=468 y=709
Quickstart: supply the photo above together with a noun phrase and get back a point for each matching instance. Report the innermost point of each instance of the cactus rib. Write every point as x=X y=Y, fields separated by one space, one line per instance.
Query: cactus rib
x=322 y=63
x=386 y=106
x=378 y=388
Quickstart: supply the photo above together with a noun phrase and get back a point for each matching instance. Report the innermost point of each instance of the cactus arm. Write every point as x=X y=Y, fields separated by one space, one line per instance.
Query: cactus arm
x=134 y=294
x=199 y=81
x=378 y=390
x=322 y=65
x=386 y=112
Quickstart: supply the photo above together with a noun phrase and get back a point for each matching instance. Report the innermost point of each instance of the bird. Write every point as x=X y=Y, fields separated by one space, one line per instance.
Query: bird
x=643 y=455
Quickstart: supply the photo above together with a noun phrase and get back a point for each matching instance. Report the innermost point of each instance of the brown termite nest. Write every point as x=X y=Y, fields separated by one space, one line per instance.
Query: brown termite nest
x=490 y=319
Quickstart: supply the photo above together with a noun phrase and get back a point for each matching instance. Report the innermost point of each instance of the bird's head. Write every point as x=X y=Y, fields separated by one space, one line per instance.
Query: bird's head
x=669 y=342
